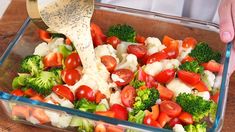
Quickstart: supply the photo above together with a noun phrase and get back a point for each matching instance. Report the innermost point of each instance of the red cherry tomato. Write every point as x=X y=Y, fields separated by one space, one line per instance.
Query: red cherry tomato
x=138 y=50
x=189 y=42
x=17 y=92
x=38 y=97
x=53 y=59
x=167 y=40
x=165 y=93
x=163 y=119
x=187 y=59
x=30 y=92
x=85 y=92
x=120 y=112
x=174 y=121
x=99 y=96
x=189 y=77
x=63 y=91
x=148 y=120
x=114 y=41
x=171 y=108
x=173 y=49
x=186 y=118
x=109 y=62
x=128 y=95
x=125 y=74
x=97 y=35
x=212 y=66
x=140 y=39
x=108 y=113
x=40 y=115
x=70 y=76
x=68 y=41
x=72 y=61
x=148 y=79
x=201 y=87
x=157 y=57
x=215 y=97
x=165 y=76
x=44 y=35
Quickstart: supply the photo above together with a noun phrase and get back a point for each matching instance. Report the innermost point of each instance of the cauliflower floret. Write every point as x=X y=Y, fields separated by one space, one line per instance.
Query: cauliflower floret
x=178 y=128
x=129 y=61
x=177 y=87
x=210 y=77
x=42 y=49
x=170 y=64
x=106 y=49
x=154 y=68
x=55 y=43
x=154 y=45
x=205 y=95
x=122 y=49
x=115 y=98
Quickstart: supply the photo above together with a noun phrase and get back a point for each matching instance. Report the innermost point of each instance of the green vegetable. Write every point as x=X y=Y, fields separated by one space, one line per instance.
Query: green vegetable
x=101 y=107
x=192 y=66
x=57 y=73
x=123 y=32
x=85 y=105
x=213 y=111
x=64 y=50
x=195 y=105
x=136 y=83
x=31 y=64
x=136 y=118
x=203 y=53
x=20 y=81
x=83 y=125
x=145 y=99
x=43 y=82
x=196 y=128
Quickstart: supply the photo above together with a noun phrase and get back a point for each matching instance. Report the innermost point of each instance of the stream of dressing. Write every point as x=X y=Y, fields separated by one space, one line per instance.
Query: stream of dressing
x=72 y=18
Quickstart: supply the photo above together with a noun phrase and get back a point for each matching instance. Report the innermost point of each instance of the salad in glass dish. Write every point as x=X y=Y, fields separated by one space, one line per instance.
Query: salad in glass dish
x=165 y=84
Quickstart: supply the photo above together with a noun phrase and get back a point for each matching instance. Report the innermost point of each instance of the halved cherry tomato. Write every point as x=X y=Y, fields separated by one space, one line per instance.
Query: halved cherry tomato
x=106 y=113
x=157 y=57
x=63 y=91
x=99 y=96
x=154 y=113
x=125 y=74
x=187 y=59
x=212 y=66
x=174 y=121
x=189 y=42
x=165 y=76
x=84 y=91
x=109 y=62
x=171 y=108
x=72 y=61
x=68 y=41
x=97 y=40
x=163 y=119
x=148 y=79
x=20 y=111
x=215 y=97
x=165 y=93
x=97 y=35
x=17 y=92
x=70 y=76
x=30 y=92
x=140 y=39
x=167 y=40
x=120 y=112
x=37 y=97
x=53 y=59
x=128 y=95
x=44 y=35
x=201 y=87
x=138 y=50
x=172 y=50
x=114 y=41
x=189 y=77
x=148 y=120
x=40 y=115
x=186 y=118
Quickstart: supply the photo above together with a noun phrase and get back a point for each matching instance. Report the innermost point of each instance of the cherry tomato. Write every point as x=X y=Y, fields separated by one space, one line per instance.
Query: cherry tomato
x=70 y=76
x=212 y=66
x=125 y=74
x=171 y=108
x=68 y=41
x=157 y=57
x=189 y=77
x=20 y=111
x=17 y=92
x=120 y=112
x=53 y=59
x=138 y=50
x=106 y=113
x=44 y=35
x=215 y=97
x=140 y=39
x=128 y=95
x=99 y=96
x=186 y=118
x=97 y=40
x=187 y=59
x=84 y=91
x=201 y=87
x=40 y=115
x=189 y=42
x=173 y=49
x=30 y=92
x=72 y=61
x=148 y=120
x=114 y=41
x=163 y=119
x=112 y=128
x=63 y=91
x=97 y=35
x=100 y=127
x=165 y=93
x=165 y=76
x=167 y=40
x=174 y=121
x=38 y=97
x=109 y=62
x=148 y=79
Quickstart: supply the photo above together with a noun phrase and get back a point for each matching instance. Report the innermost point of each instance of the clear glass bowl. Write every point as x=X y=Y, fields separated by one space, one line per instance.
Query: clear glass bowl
x=146 y=23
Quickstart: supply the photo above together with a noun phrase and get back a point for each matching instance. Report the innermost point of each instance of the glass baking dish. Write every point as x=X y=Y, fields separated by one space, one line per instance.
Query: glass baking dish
x=146 y=23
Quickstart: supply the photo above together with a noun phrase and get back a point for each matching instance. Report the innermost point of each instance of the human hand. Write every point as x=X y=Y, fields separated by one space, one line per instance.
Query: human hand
x=227 y=27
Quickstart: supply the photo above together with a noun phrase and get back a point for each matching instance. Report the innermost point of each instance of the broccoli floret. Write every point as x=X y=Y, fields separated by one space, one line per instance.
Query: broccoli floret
x=203 y=53
x=83 y=125
x=123 y=32
x=190 y=128
x=101 y=107
x=213 y=110
x=20 y=81
x=136 y=118
x=145 y=99
x=196 y=128
x=57 y=73
x=31 y=64
x=195 y=105
x=136 y=83
x=192 y=66
x=85 y=105
x=43 y=82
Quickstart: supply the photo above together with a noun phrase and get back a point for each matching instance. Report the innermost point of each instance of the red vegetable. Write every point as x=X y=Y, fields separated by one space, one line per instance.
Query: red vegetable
x=63 y=91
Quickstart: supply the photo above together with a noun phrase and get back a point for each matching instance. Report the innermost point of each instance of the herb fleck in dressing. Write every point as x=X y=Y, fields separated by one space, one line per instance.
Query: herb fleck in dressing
x=72 y=18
